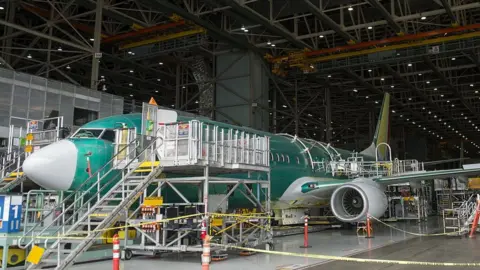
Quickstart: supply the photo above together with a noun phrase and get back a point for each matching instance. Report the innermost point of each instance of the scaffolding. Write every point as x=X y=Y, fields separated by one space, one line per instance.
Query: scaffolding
x=356 y=166
x=209 y=155
x=131 y=193
x=39 y=133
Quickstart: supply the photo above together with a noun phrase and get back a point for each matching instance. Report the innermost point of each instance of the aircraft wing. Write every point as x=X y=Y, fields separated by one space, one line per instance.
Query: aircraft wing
x=471 y=169
x=436 y=162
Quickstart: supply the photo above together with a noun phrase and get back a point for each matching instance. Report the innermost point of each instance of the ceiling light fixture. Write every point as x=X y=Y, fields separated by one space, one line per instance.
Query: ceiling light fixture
x=423 y=18
x=350 y=8
x=409 y=64
x=321 y=36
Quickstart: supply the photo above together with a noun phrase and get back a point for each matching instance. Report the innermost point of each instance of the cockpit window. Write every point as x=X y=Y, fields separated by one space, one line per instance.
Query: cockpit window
x=108 y=135
x=88 y=133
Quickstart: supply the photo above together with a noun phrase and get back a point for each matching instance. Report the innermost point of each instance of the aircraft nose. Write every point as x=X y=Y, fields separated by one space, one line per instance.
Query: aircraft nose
x=53 y=166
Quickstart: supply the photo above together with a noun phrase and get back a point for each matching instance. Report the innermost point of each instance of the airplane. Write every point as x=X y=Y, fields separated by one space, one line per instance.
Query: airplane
x=304 y=173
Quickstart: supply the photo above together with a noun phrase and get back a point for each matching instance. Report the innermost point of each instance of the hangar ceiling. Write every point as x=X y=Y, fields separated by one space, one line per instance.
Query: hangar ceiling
x=343 y=55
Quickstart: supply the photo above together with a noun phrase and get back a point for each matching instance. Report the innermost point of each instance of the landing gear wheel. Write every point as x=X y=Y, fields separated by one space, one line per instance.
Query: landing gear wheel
x=128 y=254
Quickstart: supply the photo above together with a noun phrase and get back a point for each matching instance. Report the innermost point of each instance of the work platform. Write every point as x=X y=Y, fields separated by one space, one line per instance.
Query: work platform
x=208 y=167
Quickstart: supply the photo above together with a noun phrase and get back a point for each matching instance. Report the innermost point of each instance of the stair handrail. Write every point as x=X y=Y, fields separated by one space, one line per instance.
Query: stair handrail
x=16 y=162
x=54 y=233
x=79 y=189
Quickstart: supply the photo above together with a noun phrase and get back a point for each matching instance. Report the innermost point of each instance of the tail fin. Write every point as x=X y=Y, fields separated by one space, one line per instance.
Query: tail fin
x=382 y=133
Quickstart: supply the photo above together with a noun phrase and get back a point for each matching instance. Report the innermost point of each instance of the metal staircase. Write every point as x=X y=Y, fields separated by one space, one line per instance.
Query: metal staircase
x=457 y=220
x=97 y=204
x=200 y=73
x=11 y=171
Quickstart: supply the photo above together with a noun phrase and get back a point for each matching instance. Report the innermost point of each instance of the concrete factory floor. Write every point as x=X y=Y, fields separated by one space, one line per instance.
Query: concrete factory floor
x=388 y=243
x=424 y=249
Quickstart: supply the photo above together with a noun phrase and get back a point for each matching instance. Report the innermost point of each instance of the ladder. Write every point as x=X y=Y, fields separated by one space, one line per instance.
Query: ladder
x=200 y=73
x=458 y=220
x=102 y=203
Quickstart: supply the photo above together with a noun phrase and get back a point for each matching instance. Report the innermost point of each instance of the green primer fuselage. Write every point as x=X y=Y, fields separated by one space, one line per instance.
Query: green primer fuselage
x=289 y=162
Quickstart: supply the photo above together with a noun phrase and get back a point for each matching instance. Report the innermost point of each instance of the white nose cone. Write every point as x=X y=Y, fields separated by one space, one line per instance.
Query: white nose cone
x=53 y=166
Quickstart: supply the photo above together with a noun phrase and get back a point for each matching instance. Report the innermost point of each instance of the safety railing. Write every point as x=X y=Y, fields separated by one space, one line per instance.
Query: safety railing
x=39 y=203
x=406 y=166
x=11 y=162
x=355 y=166
x=459 y=218
x=39 y=137
x=81 y=199
x=197 y=142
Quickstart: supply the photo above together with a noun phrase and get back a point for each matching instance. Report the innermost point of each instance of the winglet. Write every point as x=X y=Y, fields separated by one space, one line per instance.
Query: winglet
x=382 y=132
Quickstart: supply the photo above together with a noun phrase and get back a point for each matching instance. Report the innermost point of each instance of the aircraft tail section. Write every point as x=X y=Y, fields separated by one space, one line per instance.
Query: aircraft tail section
x=382 y=132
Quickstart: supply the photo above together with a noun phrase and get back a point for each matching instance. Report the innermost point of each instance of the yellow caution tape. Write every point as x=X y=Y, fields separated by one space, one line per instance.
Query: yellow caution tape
x=413 y=233
x=349 y=259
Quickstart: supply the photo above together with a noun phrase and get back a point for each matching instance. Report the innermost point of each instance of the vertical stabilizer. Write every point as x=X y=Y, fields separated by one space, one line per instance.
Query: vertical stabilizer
x=382 y=132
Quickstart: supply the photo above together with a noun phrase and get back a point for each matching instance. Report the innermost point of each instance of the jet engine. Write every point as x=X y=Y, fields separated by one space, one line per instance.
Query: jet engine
x=353 y=201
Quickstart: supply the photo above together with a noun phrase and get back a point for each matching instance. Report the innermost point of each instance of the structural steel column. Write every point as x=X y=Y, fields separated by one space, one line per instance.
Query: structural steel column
x=296 y=108
x=11 y=6
x=97 y=36
x=461 y=152
x=49 y=52
x=177 y=86
x=328 y=116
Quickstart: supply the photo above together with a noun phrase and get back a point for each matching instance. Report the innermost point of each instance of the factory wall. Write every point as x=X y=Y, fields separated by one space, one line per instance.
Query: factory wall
x=26 y=97
x=241 y=90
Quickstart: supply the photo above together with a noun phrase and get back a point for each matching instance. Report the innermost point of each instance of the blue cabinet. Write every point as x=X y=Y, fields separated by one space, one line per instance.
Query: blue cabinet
x=10 y=213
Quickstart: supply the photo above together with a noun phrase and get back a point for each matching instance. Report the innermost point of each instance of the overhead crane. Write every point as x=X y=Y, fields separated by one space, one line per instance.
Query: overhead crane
x=305 y=59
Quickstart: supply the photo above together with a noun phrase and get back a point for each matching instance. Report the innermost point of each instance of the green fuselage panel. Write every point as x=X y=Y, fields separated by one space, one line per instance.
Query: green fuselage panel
x=288 y=160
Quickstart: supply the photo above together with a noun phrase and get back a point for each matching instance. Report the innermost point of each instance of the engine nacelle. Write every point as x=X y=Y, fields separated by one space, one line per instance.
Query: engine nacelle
x=353 y=201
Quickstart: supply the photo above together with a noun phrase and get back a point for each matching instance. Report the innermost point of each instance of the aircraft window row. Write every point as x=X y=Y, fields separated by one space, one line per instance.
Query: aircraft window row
x=282 y=158
x=104 y=134
x=87 y=133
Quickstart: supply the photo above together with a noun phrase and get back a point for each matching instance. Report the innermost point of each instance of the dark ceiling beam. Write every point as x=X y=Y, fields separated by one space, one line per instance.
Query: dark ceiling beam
x=112 y=85
x=447 y=83
x=427 y=99
x=119 y=76
x=387 y=16
x=109 y=11
x=213 y=31
x=393 y=100
x=319 y=14
x=127 y=63
x=449 y=11
x=259 y=19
